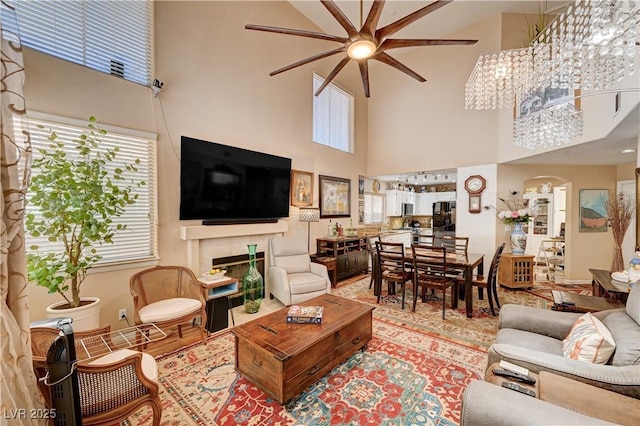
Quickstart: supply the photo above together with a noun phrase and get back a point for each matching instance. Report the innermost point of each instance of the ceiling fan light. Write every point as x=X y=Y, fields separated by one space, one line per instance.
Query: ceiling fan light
x=361 y=49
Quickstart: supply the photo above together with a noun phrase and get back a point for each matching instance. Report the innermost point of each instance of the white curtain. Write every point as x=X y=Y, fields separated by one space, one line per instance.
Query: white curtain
x=19 y=392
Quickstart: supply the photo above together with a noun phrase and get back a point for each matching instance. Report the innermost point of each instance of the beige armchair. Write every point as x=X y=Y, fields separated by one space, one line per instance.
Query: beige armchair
x=112 y=387
x=168 y=296
x=293 y=278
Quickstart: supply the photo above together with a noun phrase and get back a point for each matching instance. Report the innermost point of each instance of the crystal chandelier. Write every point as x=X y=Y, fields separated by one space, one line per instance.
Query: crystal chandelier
x=589 y=46
x=556 y=125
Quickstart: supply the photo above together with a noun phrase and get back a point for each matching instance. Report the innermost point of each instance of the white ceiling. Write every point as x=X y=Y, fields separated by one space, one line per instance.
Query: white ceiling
x=457 y=15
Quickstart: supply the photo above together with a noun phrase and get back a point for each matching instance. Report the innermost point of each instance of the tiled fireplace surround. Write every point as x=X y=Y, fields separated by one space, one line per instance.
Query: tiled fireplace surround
x=207 y=242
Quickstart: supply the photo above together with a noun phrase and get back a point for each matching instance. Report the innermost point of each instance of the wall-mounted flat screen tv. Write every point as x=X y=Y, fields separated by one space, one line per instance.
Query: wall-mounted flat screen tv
x=222 y=184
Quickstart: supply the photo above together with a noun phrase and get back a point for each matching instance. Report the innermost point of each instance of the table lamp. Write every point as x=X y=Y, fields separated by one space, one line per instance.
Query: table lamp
x=309 y=214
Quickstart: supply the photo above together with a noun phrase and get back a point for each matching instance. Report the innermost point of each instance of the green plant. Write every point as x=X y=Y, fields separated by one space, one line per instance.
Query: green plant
x=538 y=25
x=78 y=194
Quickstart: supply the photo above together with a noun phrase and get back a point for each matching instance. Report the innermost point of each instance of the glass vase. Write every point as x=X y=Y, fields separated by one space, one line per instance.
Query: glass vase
x=252 y=284
x=518 y=239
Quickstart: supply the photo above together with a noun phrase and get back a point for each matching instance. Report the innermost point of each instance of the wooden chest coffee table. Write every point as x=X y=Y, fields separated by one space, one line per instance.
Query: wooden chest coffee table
x=283 y=359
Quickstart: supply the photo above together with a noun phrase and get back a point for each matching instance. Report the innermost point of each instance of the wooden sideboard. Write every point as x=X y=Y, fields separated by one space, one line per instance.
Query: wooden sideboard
x=350 y=253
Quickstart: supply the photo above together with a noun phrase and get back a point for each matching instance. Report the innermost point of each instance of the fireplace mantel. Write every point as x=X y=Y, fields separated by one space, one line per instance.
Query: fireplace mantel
x=194 y=234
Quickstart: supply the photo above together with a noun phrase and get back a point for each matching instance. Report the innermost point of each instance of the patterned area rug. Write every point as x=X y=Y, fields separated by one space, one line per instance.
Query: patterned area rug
x=413 y=372
x=405 y=376
x=479 y=331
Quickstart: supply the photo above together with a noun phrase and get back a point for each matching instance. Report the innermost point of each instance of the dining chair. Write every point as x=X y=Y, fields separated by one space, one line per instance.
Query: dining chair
x=455 y=244
x=490 y=281
x=430 y=271
x=393 y=267
x=371 y=248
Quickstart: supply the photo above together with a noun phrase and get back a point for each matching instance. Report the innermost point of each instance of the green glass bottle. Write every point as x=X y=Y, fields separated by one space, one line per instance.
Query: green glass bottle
x=252 y=284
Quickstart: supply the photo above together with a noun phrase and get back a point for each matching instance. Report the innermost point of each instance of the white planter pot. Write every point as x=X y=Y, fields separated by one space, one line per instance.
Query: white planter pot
x=85 y=317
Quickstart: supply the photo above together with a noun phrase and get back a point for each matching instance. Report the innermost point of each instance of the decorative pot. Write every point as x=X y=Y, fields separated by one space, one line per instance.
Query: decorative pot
x=518 y=239
x=85 y=317
x=252 y=284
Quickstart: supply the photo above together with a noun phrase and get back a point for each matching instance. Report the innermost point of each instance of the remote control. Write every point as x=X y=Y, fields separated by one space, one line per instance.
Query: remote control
x=515 y=368
x=516 y=387
x=516 y=376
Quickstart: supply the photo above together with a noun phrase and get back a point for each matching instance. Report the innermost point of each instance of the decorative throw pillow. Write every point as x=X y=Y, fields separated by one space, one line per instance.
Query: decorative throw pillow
x=589 y=341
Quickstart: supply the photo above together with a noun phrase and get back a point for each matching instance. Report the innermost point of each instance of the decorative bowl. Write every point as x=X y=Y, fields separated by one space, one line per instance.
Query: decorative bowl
x=210 y=276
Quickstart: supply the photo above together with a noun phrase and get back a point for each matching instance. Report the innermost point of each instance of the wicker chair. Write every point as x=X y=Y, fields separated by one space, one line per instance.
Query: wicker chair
x=112 y=387
x=168 y=296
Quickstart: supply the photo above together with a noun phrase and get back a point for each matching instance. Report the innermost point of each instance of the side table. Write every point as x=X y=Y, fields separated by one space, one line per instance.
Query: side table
x=516 y=270
x=331 y=264
x=217 y=293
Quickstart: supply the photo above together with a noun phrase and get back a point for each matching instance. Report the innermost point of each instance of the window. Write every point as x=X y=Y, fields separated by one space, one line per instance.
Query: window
x=333 y=112
x=373 y=208
x=138 y=241
x=114 y=37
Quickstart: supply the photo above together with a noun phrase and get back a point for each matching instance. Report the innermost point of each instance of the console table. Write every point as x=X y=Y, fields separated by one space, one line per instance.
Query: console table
x=350 y=253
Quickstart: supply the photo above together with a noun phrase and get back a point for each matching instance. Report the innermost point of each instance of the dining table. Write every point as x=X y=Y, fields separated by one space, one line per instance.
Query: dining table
x=457 y=262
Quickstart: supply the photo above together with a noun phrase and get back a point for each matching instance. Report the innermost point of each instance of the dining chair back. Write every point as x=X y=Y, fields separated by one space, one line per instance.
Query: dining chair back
x=455 y=244
x=490 y=282
x=393 y=267
x=430 y=271
x=371 y=248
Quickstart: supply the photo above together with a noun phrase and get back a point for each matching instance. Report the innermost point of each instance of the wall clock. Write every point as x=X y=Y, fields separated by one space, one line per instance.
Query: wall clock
x=474 y=185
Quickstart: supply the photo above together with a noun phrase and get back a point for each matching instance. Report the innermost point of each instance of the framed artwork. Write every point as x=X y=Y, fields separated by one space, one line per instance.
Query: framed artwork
x=335 y=197
x=361 y=212
x=360 y=186
x=593 y=210
x=540 y=98
x=301 y=188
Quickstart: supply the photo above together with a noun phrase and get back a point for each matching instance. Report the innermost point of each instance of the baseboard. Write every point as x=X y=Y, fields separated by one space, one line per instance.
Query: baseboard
x=585 y=282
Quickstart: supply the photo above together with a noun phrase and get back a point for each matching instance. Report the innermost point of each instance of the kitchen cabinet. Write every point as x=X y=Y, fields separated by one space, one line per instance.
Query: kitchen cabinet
x=393 y=205
x=394 y=200
x=404 y=237
x=445 y=196
x=424 y=204
x=541 y=227
x=350 y=253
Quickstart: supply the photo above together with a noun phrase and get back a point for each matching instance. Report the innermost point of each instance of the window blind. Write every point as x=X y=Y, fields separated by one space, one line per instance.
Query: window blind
x=373 y=208
x=114 y=37
x=138 y=241
x=333 y=116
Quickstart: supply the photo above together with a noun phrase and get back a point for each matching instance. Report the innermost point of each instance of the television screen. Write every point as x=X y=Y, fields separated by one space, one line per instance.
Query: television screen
x=225 y=184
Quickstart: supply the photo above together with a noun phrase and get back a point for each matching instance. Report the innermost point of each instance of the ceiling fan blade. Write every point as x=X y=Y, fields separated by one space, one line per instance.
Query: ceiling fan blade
x=332 y=75
x=291 y=31
x=364 y=72
x=373 y=17
x=404 y=42
x=384 y=58
x=309 y=59
x=340 y=17
x=396 y=26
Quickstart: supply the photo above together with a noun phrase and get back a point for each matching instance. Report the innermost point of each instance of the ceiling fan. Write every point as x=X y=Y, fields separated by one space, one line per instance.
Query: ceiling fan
x=367 y=43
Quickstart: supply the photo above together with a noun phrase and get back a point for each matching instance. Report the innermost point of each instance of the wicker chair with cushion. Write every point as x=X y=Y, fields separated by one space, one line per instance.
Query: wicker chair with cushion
x=112 y=387
x=168 y=296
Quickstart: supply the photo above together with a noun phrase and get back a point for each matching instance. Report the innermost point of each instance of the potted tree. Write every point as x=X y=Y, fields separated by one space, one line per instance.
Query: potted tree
x=77 y=192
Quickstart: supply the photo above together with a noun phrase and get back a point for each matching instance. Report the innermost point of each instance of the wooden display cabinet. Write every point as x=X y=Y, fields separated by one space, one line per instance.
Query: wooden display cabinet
x=516 y=270
x=350 y=253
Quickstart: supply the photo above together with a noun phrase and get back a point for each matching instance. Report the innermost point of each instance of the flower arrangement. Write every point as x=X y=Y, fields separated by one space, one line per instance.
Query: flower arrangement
x=517 y=211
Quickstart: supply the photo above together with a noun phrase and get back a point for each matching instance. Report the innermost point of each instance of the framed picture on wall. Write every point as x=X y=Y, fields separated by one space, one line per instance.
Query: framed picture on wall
x=301 y=188
x=593 y=210
x=335 y=197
